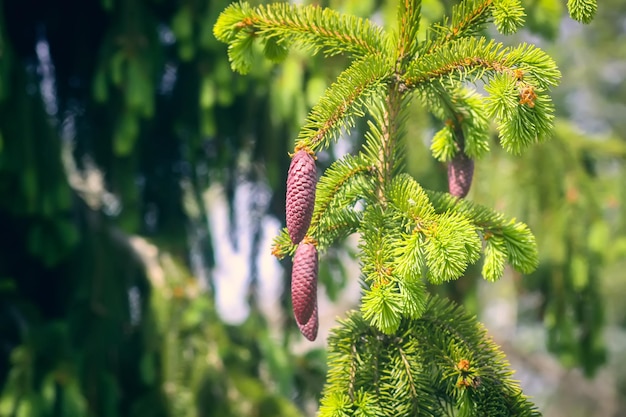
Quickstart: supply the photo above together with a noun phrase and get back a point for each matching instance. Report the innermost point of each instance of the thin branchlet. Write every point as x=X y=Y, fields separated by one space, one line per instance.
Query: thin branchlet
x=461 y=66
x=409 y=372
x=353 y=370
x=343 y=101
x=471 y=19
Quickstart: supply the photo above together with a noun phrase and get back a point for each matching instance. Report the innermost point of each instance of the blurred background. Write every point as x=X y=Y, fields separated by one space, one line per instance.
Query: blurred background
x=142 y=183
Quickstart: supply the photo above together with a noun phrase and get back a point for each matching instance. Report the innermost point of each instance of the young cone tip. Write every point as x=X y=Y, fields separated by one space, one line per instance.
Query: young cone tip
x=300 y=199
x=304 y=282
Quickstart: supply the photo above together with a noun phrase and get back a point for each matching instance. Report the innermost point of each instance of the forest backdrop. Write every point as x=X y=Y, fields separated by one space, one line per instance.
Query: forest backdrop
x=129 y=149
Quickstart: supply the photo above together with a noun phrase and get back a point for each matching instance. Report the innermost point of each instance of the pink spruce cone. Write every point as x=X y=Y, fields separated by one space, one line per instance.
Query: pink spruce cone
x=301 y=182
x=460 y=173
x=309 y=329
x=304 y=282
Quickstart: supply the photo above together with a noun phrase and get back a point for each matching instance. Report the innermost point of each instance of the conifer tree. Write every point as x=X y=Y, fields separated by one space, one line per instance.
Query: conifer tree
x=406 y=352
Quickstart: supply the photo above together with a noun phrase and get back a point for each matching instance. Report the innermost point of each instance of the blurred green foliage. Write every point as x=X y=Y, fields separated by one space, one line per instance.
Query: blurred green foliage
x=115 y=116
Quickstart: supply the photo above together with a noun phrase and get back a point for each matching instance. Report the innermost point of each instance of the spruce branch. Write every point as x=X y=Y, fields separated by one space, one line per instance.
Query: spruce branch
x=395 y=115
x=406 y=353
x=345 y=181
x=467 y=358
x=447 y=243
x=392 y=291
x=471 y=59
x=524 y=114
x=470 y=17
x=409 y=262
x=450 y=245
x=343 y=101
x=444 y=144
x=409 y=16
x=513 y=239
x=310 y=27
x=384 y=143
x=508 y=15
x=336 y=225
x=582 y=10
x=516 y=80
x=376 y=146
x=410 y=200
x=466 y=127
x=381 y=306
x=282 y=245
x=443 y=361
x=496 y=256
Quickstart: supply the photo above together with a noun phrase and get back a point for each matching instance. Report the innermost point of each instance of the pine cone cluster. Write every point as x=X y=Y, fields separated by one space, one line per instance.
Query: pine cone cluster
x=300 y=202
x=301 y=183
x=460 y=174
x=304 y=289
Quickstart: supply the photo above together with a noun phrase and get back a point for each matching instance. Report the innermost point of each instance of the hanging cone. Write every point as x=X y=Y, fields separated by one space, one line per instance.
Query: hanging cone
x=304 y=282
x=301 y=182
x=460 y=173
x=309 y=329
